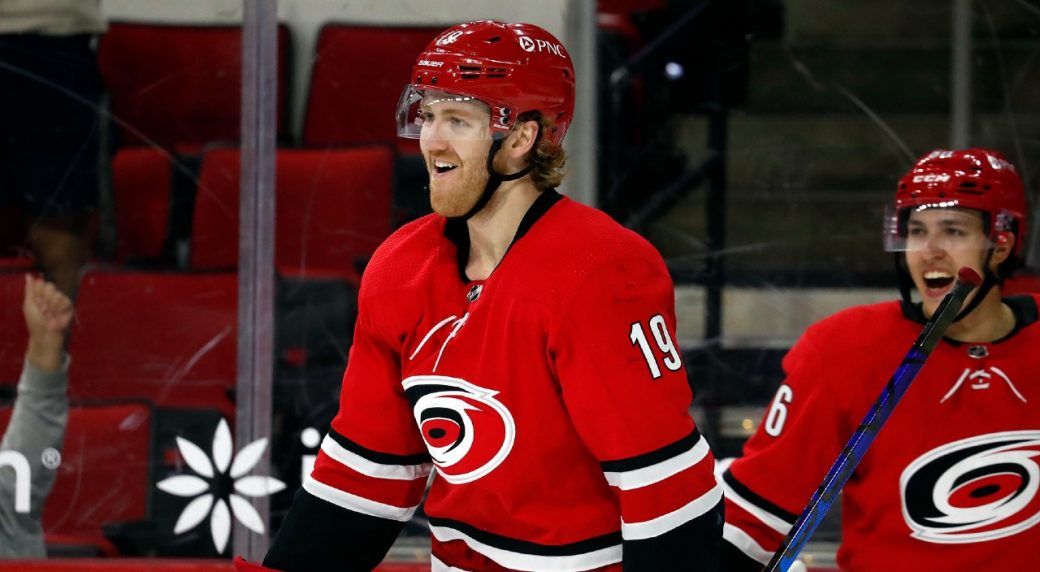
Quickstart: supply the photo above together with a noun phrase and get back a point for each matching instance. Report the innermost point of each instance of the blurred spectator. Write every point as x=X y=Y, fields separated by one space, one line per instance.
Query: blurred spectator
x=37 y=425
x=49 y=126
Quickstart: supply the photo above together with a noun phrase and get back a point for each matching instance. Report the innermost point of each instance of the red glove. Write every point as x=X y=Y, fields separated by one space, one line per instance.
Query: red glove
x=242 y=565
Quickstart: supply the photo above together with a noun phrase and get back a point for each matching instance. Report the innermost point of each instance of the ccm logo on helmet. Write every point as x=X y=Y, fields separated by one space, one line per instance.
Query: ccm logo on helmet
x=529 y=45
x=973 y=490
x=467 y=431
x=931 y=178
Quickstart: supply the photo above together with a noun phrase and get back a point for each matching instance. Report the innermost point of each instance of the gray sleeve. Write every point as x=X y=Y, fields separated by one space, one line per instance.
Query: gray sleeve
x=37 y=425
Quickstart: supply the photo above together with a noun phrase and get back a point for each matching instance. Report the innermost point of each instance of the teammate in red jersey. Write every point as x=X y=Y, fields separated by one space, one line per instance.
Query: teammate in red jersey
x=518 y=346
x=951 y=483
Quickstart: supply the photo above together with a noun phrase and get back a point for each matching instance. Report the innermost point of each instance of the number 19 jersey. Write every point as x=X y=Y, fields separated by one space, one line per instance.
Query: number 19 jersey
x=549 y=400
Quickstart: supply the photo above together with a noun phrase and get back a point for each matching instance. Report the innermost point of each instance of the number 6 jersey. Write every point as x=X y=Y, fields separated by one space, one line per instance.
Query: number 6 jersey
x=549 y=401
x=952 y=481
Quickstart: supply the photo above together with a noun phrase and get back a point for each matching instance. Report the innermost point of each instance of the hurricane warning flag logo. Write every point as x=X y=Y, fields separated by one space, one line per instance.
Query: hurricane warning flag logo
x=203 y=485
x=974 y=490
x=467 y=431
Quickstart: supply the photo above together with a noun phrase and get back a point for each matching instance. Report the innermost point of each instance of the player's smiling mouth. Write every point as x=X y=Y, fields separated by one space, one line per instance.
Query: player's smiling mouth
x=937 y=279
x=443 y=166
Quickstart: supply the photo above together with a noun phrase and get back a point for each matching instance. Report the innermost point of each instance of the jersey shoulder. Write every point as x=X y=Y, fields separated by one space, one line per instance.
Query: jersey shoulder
x=858 y=339
x=575 y=250
x=591 y=230
x=588 y=238
x=406 y=257
x=862 y=325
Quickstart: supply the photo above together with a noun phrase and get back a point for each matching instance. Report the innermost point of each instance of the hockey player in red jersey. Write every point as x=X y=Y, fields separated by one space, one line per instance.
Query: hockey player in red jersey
x=518 y=346
x=951 y=482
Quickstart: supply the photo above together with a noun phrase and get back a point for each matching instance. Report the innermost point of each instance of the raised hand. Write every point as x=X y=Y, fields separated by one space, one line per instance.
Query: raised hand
x=48 y=313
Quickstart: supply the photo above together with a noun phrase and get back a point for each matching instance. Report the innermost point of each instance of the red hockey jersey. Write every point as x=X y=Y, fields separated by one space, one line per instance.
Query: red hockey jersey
x=550 y=400
x=951 y=482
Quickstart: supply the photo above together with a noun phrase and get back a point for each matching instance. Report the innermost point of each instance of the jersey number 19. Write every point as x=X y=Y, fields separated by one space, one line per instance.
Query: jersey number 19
x=659 y=330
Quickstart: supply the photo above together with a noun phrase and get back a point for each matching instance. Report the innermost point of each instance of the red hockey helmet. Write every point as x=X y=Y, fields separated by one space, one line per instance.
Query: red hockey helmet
x=513 y=68
x=979 y=179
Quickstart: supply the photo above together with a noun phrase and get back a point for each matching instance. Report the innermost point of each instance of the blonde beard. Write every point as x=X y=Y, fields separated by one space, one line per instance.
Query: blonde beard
x=455 y=202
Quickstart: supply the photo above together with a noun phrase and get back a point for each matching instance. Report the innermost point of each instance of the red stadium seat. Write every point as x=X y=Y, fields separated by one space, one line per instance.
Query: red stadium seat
x=104 y=476
x=141 y=182
x=166 y=338
x=17 y=263
x=13 y=336
x=180 y=86
x=332 y=209
x=359 y=73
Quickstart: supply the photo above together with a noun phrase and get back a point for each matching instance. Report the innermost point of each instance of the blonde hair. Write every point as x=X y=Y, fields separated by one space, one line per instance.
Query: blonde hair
x=547 y=158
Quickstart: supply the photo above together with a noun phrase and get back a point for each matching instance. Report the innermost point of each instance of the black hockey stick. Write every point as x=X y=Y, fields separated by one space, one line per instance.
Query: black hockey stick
x=856 y=448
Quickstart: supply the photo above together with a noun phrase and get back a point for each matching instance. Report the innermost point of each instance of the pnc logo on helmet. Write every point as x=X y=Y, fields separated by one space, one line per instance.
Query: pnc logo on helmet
x=974 y=490
x=467 y=431
x=531 y=45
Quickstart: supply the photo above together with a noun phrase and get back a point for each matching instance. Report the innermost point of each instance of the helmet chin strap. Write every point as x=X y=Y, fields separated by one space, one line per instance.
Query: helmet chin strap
x=494 y=180
x=988 y=282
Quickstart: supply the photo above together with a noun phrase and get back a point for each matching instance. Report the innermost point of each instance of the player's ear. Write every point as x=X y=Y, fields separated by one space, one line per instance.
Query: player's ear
x=1003 y=248
x=522 y=138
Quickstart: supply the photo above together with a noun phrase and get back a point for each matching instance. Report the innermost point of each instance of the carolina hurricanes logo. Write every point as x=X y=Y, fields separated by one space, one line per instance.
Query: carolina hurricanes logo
x=467 y=430
x=974 y=490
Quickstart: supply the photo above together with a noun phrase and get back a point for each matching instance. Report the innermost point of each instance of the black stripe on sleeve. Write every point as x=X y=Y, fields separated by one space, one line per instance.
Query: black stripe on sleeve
x=526 y=547
x=318 y=536
x=753 y=498
x=693 y=546
x=376 y=456
x=653 y=457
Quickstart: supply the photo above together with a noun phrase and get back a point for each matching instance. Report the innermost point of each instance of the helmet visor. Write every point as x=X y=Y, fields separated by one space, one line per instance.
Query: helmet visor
x=427 y=112
x=935 y=227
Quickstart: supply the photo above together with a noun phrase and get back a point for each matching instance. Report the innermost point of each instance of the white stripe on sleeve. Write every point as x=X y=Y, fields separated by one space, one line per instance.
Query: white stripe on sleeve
x=676 y=518
x=646 y=476
x=362 y=465
x=355 y=503
x=745 y=543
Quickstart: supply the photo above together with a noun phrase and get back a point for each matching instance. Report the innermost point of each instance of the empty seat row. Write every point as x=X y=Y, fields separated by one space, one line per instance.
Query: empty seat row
x=179 y=87
x=332 y=207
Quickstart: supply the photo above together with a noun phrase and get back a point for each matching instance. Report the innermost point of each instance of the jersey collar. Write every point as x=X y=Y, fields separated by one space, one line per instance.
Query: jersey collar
x=1023 y=307
x=455 y=229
